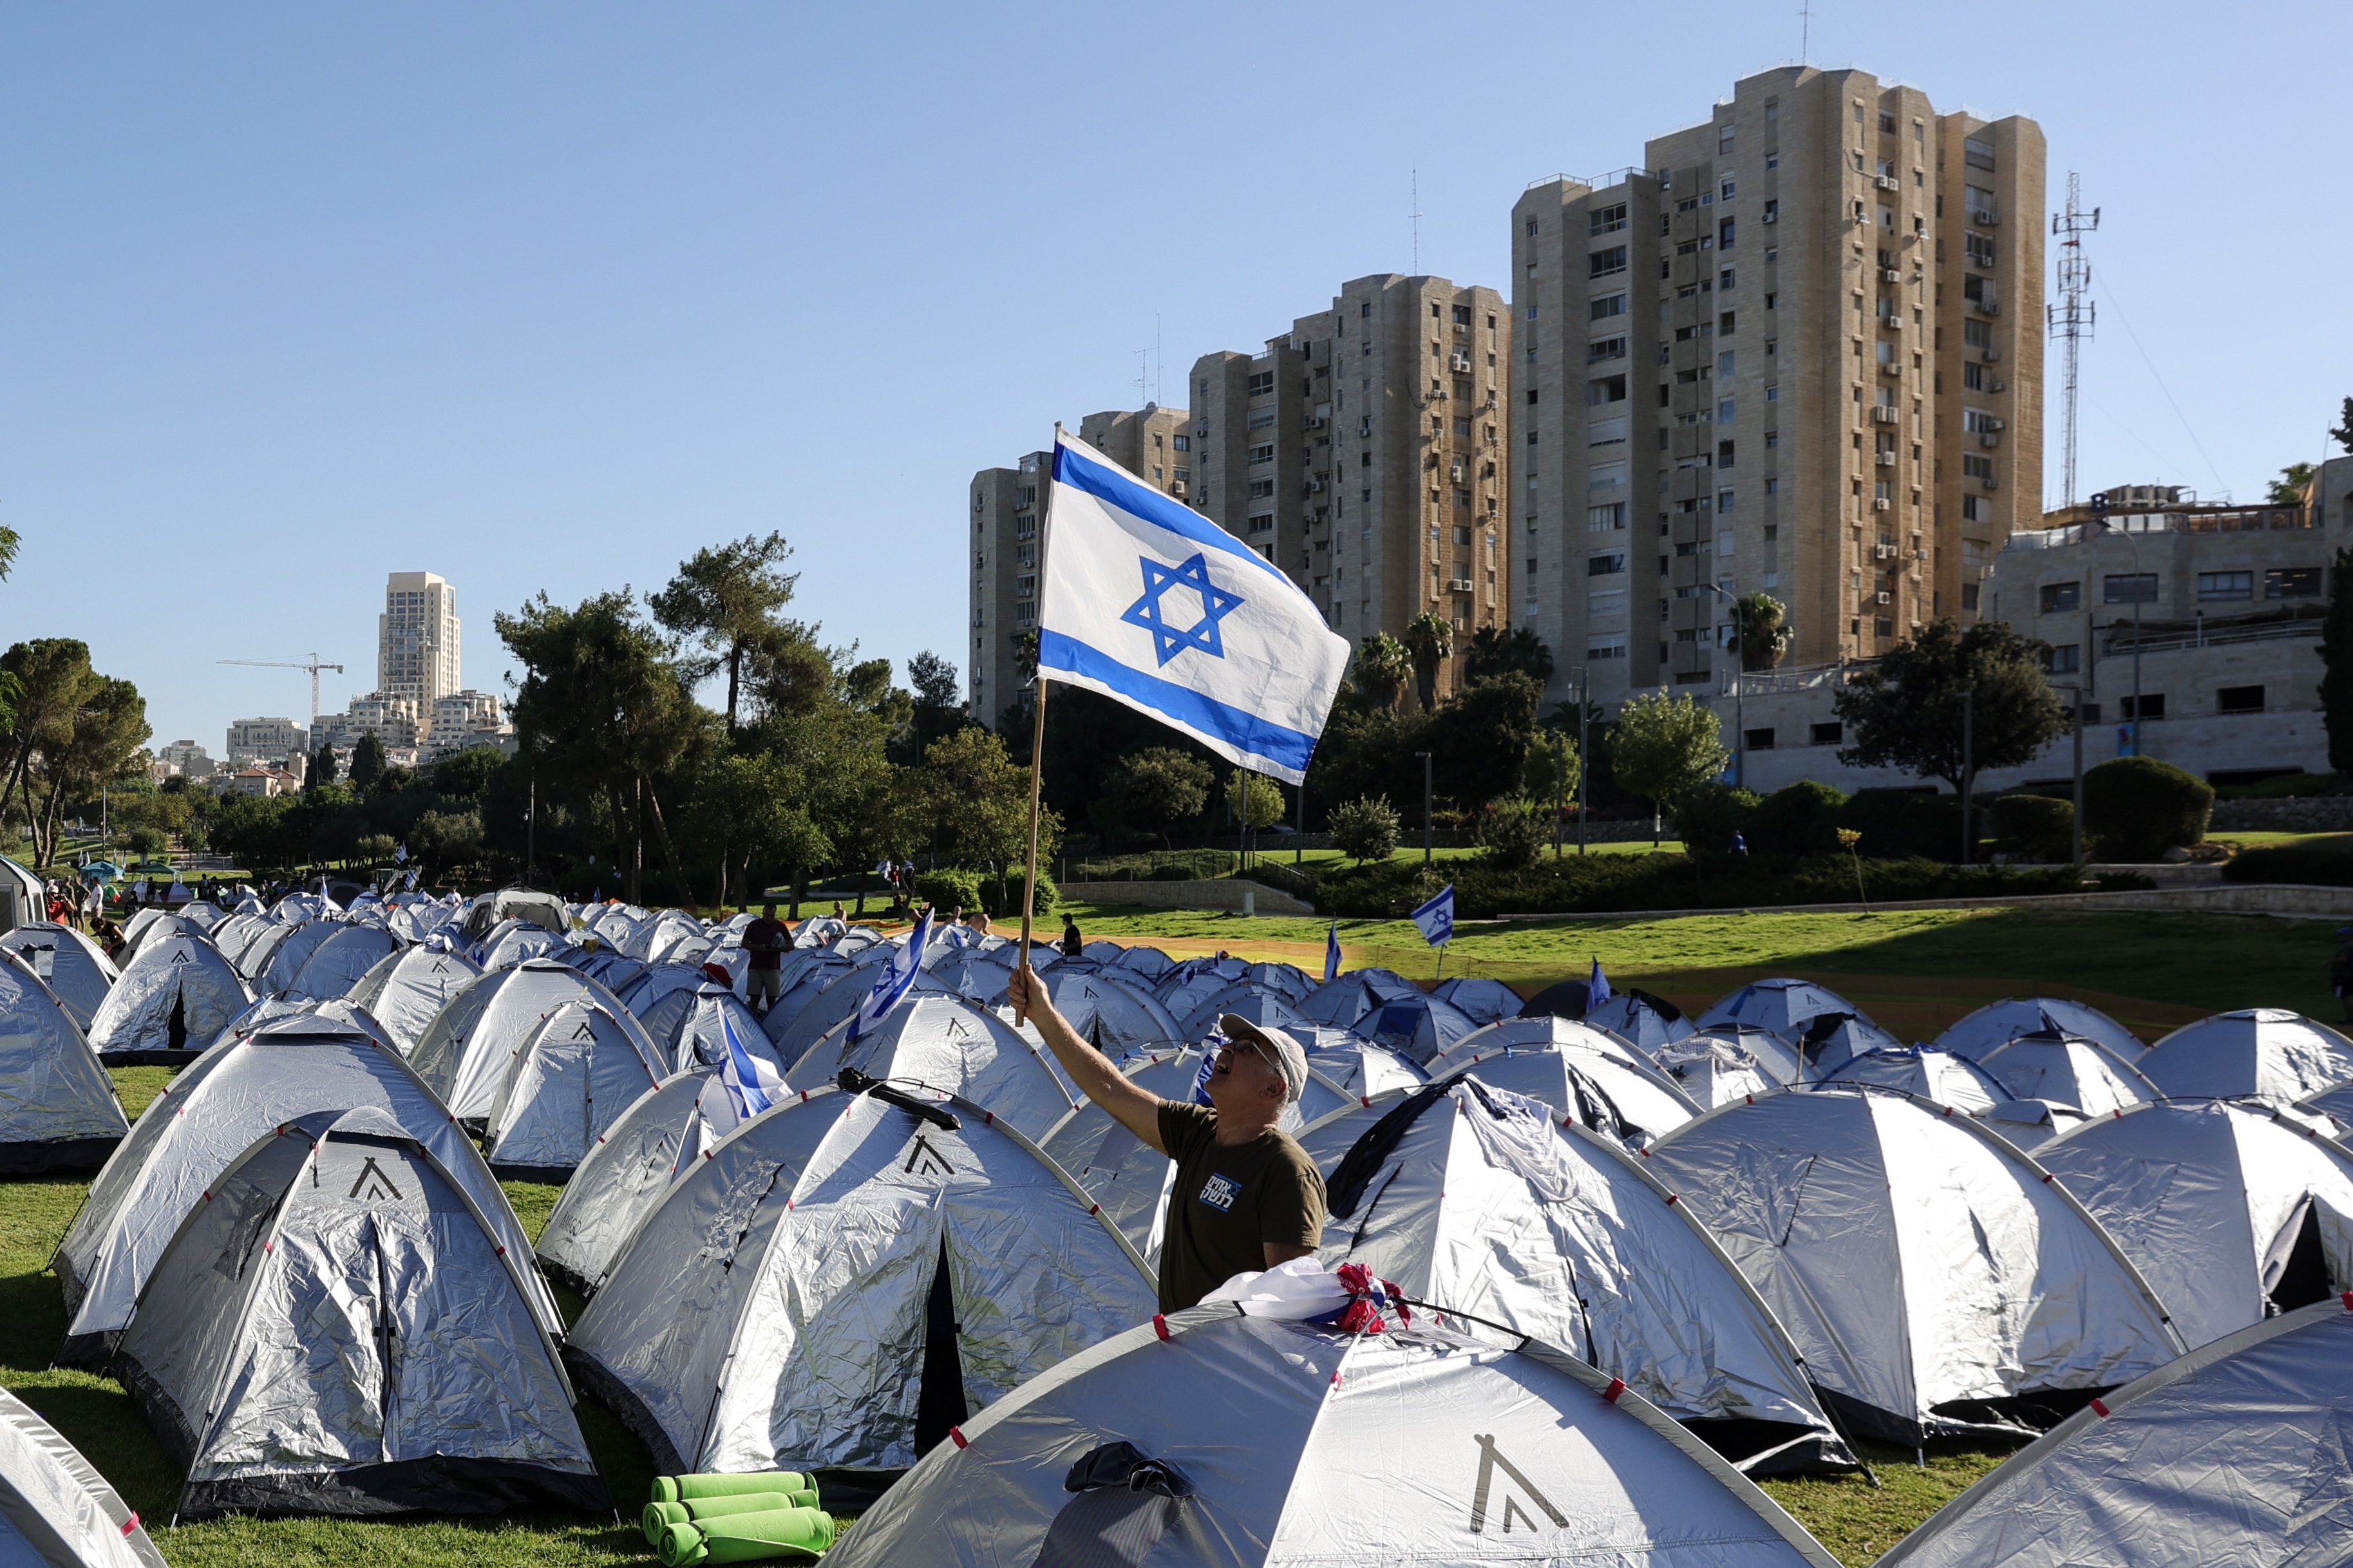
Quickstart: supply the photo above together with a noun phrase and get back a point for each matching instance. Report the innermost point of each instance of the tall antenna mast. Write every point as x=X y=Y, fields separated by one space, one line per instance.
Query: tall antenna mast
x=1417 y=223
x=1805 y=30
x=2073 y=317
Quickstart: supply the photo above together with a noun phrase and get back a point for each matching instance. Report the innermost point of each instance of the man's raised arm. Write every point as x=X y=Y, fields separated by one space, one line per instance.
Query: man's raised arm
x=1134 y=1108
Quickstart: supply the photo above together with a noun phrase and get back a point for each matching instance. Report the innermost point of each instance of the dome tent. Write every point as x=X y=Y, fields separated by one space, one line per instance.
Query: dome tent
x=339 y=1329
x=643 y=990
x=1115 y=1016
x=341 y=1012
x=2265 y=1052
x=1829 y=1041
x=568 y=1080
x=1418 y=1027
x=1999 y=1022
x=1342 y=1000
x=338 y=963
x=954 y=1046
x=1577 y=1070
x=1468 y=1198
x=464 y=1053
x=1717 y=1065
x=1646 y=1021
x=1784 y=1006
x=1479 y=998
x=2068 y=1070
x=58 y=1109
x=655 y=1139
x=56 y=1510
x=1416 y=1445
x=833 y=1006
x=842 y=1280
x=1927 y=1072
x=689 y=1028
x=1246 y=1000
x=2234 y=1211
x=407 y=988
x=68 y=962
x=292 y=953
x=203 y=1119
x=1934 y=1278
x=2236 y=1453
x=171 y=1001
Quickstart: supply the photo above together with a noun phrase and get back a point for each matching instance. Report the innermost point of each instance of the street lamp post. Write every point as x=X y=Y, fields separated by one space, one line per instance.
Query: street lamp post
x=1425 y=805
x=1739 y=724
x=2075 y=702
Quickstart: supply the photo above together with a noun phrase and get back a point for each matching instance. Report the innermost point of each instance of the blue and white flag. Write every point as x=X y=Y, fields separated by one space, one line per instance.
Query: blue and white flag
x=1596 y=987
x=1152 y=604
x=1436 y=918
x=1332 y=953
x=751 y=1083
x=400 y=852
x=897 y=978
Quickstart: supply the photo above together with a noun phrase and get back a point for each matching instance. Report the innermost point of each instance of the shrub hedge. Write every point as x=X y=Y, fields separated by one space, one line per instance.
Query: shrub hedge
x=2325 y=862
x=2140 y=807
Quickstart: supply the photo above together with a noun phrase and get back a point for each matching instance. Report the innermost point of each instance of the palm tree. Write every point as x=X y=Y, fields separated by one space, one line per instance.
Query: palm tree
x=1430 y=639
x=1763 y=628
x=1383 y=666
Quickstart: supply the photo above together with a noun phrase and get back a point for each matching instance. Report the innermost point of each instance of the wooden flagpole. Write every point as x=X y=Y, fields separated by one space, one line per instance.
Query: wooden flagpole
x=1037 y=725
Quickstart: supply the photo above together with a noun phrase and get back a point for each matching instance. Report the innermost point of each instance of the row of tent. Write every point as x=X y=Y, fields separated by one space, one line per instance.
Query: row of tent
x=855 y=1270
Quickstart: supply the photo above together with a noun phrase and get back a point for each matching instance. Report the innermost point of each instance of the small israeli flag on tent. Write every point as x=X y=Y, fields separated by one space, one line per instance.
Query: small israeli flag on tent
x=1152 y=604
x=898 y=977
x=1332 y=953
x=751 y=1082
x=1436 y=918
x=400 y=852
x=1597 y=986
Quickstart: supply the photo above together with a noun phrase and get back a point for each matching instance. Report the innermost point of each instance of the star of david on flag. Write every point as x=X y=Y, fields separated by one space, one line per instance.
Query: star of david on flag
x=1217 y=604
x=1220 y=643
x=1436 y=918
x=897 y=978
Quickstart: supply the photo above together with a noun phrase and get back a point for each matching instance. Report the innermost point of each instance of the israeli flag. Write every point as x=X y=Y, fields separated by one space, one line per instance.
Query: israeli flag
x=1152 y=604
x=897 y=978
x=400 y=852
x=1436 y=918
x=751 y=1082
x=1596 y=987
x=412 y=879
x=1332 y=953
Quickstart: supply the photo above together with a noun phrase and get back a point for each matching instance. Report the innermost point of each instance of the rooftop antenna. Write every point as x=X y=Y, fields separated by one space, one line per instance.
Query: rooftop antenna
x=2073 y=316
x=1805 y=30
x=1143 y=374
x=1417 y=223
x=1159 y=359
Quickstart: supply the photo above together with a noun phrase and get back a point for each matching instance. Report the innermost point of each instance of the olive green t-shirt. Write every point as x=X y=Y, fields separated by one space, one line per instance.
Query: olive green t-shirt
x=1228 y=1201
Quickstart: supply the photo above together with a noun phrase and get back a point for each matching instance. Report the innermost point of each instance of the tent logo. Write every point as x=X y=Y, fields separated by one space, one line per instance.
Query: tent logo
x=374 y=1184
x=922 y=1160
x=182 y=957
x=584 y=1031
x=1491 y=1460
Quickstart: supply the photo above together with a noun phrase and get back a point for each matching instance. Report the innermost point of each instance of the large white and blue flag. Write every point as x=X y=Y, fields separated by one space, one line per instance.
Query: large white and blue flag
x=1436 y=918
x=1152 y=604
x=898 y=976
x=752 y=1082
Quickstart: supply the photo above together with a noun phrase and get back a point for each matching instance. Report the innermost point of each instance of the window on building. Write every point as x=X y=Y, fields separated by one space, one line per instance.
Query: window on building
x=1606 y=648
x=1757 y=740
x=1977 y=153
x=2238 y=699
x=1261 y=382
x=1604 y=263
x=1605 y=565
x=1975 y=466
x=2292 y=583
x=1608 y=305
x=1976 y=334
x=1725 y=233
x=1826 y=735
x=2151 y=706
x=1261 y=418
x=2065 y=658
x=1604 y=389
x=1261 y=489
x=1264 y=453
x=1184 y=443
x=1604 y=519
x=1609 y=219
x=2057 y=596
x=1602 y=349
x=1262 y=522
x=2129 y=588
x=2215 y=586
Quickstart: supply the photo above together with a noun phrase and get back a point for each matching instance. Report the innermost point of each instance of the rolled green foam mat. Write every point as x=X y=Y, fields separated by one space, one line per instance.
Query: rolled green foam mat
x=659 y=1516
x=701 y=1508
x=783 y=1532
x=679 y=1488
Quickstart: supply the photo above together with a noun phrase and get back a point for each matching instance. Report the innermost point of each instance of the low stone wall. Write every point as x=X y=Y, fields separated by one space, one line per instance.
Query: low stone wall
x=2288 y=901
x=2300 y=814
x=1226 y=893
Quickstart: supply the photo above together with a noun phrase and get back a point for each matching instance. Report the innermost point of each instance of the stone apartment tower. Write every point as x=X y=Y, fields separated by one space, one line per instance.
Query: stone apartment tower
x=1151 y=443
x=1800 y=352
x=1362 y=452
x=416 y=652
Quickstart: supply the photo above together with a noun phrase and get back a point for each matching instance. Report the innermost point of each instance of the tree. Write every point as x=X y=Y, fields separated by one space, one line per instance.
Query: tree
x=1514 y=833
x=105 y=748
x=1480 y=739
x=8 y=543
x=1383 y=666
x=1495 y=649
x=1365 y=829
x=466 y=774
x=978 y=804
x=445 y=843
x=1252 y=801
x=2289 y=488
x=1430 y=639
x=321 y=771
x=2343 y=434
x=367 y=763
x=1662 y=746
x=938 y=703
x=727 y=599
x=2336 y=654
x=1761 y=623
x=1552 y=769
x=1156 y=788
x=1906 y=711
x=53 y=682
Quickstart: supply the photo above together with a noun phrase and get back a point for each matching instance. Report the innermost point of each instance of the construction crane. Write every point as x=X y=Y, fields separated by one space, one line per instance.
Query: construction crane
x=312 y=665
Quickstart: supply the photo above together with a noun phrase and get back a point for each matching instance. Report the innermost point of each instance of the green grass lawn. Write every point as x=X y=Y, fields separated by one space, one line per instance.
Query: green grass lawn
x=1910 y=969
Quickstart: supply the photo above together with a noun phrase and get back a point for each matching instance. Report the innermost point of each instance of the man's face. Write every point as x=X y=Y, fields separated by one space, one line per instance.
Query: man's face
x=1242 y=1082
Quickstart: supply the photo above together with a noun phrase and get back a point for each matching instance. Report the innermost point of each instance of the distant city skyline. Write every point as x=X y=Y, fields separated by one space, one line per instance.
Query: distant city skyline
x=549 y=301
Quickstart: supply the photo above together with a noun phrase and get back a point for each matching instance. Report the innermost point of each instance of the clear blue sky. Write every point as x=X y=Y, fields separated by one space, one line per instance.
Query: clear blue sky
x=544 y=297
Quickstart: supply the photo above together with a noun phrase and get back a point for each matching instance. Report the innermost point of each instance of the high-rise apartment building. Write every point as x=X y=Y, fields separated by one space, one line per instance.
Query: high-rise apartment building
x=1362 y=452
x=1151 y=443
x=416 y=640
x=1799 y=353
